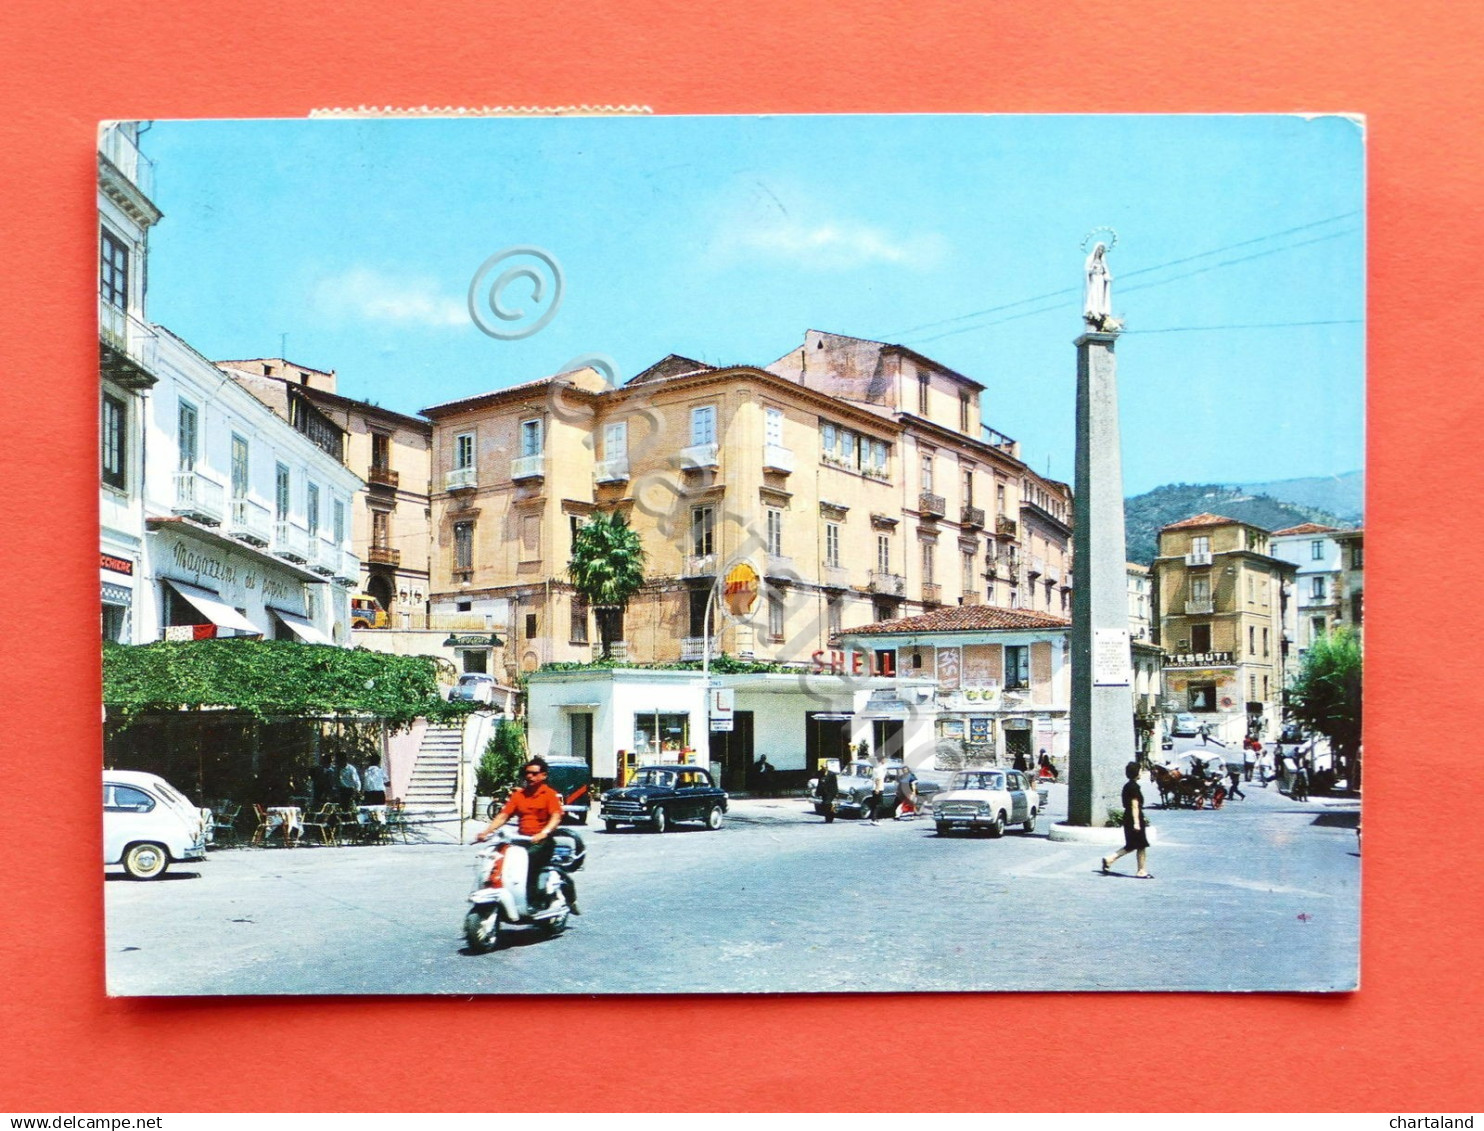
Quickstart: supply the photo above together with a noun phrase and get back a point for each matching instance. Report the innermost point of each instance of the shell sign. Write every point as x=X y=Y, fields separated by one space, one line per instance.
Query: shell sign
x=740 y=589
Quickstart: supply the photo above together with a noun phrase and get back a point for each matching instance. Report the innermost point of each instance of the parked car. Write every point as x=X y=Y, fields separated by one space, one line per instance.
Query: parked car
x=659 y=796
x=987 y=800
x=1186 y=726
x=473 y=687
x=1292 y=733
x=572 y=778
x=148 y=824
x=855 y=789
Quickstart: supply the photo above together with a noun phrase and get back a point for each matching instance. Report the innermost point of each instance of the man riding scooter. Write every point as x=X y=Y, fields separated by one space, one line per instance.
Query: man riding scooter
x=538 y=809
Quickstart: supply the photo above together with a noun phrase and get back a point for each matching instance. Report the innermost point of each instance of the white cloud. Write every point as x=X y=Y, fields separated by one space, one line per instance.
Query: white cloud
x=371 y=296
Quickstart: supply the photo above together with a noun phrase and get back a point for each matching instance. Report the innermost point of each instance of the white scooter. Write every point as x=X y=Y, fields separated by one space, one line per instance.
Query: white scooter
x=498 y=901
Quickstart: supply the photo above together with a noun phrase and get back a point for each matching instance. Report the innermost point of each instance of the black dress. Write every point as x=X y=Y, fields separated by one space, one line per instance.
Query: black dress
x=1133 y=838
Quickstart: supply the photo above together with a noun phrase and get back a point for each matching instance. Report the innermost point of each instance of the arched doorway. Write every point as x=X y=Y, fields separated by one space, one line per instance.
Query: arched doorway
x=380 y=586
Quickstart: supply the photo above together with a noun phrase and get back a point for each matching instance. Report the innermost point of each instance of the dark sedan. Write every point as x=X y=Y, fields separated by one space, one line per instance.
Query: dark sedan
x=659 y=796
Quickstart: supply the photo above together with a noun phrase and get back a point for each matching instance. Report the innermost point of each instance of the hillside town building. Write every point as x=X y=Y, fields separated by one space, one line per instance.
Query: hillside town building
x=1225 y=614
x=1329 y=587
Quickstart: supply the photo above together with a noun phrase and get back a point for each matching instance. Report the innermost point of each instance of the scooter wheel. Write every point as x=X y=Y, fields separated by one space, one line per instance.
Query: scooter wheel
x=482 y=932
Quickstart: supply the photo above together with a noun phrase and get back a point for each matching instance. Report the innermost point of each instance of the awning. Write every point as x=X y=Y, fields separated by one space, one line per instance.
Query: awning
x=302 y=628
x=213 y=608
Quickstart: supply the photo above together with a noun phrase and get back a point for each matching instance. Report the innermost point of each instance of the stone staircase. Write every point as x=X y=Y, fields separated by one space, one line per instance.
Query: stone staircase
x=433 y=789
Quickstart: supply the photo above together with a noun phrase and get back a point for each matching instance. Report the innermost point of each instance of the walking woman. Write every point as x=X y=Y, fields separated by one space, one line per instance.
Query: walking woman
x=1135 y=827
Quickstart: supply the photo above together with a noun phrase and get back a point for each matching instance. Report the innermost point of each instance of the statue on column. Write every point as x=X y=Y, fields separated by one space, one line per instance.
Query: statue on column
x=1097 y=310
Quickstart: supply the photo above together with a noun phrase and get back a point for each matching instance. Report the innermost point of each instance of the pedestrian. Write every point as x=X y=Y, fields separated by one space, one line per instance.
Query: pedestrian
x=1249 y=756
x=1236 y=779
x=1046 y=769
x=348 y=782
x=1020 y=763
x=906 y=794
x=1300 y=788
x=1135 y=825
x=829 y=789
x=1205 y=733
x=324 y=782
x=373 y=782
x=764 y=776
x=878 y=788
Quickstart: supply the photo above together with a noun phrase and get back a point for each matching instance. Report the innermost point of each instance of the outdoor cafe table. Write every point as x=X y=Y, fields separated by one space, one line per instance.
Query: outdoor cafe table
x=289 y=818
x=371 y=820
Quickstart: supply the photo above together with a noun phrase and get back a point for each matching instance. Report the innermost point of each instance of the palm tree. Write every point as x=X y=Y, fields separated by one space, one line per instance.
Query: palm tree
x=607 y=568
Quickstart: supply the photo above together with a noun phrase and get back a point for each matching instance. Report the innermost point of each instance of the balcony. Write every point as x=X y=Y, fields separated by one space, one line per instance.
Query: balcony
x=1006 y=527
x=1198 y=558
x=698 y=565
x=251 y=521
x=971 y=516
x=528 y=467
x=777 y=458
x=384 y=555
x=324 y=558
x=778 y=565
x=128 y=348
x=694 y=647
x=123 y=154
x=461 y=479
x=199 y=498
x=887 y=584
x=348 y=571
x=617 y=650
x=614 y=470
x=972 y=598
x=1035 y=566
x=834 y=576
x=699 y=456
x=932 y=593
x=383 y=477
x=931 y=506
x=290 y=542
x=1199 y=607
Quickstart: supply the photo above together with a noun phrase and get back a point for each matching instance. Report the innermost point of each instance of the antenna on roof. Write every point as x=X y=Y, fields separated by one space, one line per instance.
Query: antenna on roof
x=283 y=345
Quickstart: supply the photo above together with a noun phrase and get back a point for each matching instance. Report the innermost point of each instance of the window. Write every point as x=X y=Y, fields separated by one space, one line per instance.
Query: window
x=1202 y=696
x=1252 y=640
x=281 y=484
x=827 y=440
x=963 y=412
x=1264 y=687
x=999 y=498
x=113 y=270
x=927 y=473
x=1266 y=643
x=1251 y=589
x=775 y=531
x=702 y=531
x=463 y=545
x=115 y=618
x=968 y=578
x=1317 y=627
x=530 y=626
x=1355 y=607
x=1017 y=665
x=616 y=440
x=239 y=467
x=530 y=437
x=579 y=620
x=380 y=530
x=836 y=614
x=188 y=435
x=703 y=425
x=1200 y=589
x=775 y=617
x=1316 y=550
x=883 y=553
x=879 y=456
x=1316 y=587
x=312 y=510
x=463 y=450
x=928 y=555
x=883 y=610
x=381 y=451
x=832 y=544
x=114 y=445
x=699 y=599
x=968 y=499
x=463 y=606
x=1200 y=544
x=922 y=394
x=773 y=427
x=1200 y=638
x=1357 y=557
x=848 y=449
x=337 y=512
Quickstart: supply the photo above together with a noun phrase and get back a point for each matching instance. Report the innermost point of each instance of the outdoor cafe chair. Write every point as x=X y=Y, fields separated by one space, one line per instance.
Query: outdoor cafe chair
x=396 y=819
x=326 y=821
x=260 y=834
x=224 y=822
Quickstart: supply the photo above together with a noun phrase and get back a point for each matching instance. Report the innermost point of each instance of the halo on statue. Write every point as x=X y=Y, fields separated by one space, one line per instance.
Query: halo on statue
x=1091 y=238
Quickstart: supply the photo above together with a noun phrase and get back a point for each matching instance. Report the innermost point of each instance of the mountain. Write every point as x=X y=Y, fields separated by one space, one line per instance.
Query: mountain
x=1144 y=515
x=1342 y=495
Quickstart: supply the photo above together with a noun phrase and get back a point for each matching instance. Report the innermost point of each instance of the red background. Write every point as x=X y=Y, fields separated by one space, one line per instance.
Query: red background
x=1408 y=1040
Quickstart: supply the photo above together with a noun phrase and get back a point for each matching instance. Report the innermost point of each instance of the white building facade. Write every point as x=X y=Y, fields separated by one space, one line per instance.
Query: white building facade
x=1322 y=555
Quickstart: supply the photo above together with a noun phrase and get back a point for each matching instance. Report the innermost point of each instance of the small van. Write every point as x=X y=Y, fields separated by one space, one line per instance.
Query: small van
x=148 y=824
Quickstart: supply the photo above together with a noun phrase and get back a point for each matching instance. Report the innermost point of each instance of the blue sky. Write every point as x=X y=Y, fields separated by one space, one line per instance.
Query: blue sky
x=1239 y=264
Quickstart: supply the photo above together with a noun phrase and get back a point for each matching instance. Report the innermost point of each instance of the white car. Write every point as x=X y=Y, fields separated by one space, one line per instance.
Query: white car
x=1186 y=726
x=988 y=800
x=473 y=687
x=148 y=824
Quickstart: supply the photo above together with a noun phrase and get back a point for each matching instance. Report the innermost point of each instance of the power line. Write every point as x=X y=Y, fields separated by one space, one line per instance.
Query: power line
x=1067 y=291
x=1249 y=326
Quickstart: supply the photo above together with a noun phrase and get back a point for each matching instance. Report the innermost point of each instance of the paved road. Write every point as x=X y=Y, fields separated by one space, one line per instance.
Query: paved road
x=1263 y=894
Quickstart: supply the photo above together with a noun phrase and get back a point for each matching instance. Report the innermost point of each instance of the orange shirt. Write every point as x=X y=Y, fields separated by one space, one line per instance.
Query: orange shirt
x=534 y=810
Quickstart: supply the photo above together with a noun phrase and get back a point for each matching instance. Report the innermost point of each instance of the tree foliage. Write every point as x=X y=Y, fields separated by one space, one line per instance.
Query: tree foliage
x=1326 y=693
x=607 y=568
x=499 y=766
x=272 y=679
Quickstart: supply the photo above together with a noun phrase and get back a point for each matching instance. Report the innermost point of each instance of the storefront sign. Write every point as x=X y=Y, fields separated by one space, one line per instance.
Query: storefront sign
x=979 y=729
x=456 y=641
x=721 y=704
x=949 y=662
x=1196 y=659
x=740 y=589
x=837 y=662
x=117 y=565
x=1110 y=662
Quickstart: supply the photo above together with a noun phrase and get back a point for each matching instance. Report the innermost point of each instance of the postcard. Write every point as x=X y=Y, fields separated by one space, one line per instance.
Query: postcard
x=632 y=554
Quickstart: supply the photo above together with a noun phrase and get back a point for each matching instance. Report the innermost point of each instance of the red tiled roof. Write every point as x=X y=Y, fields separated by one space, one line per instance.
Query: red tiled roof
x=960 y=618
x=1206 y=519
x=1306 y=528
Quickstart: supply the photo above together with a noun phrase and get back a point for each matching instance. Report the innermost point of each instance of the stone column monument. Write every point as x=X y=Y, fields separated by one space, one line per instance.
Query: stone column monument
x=1102 y=696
